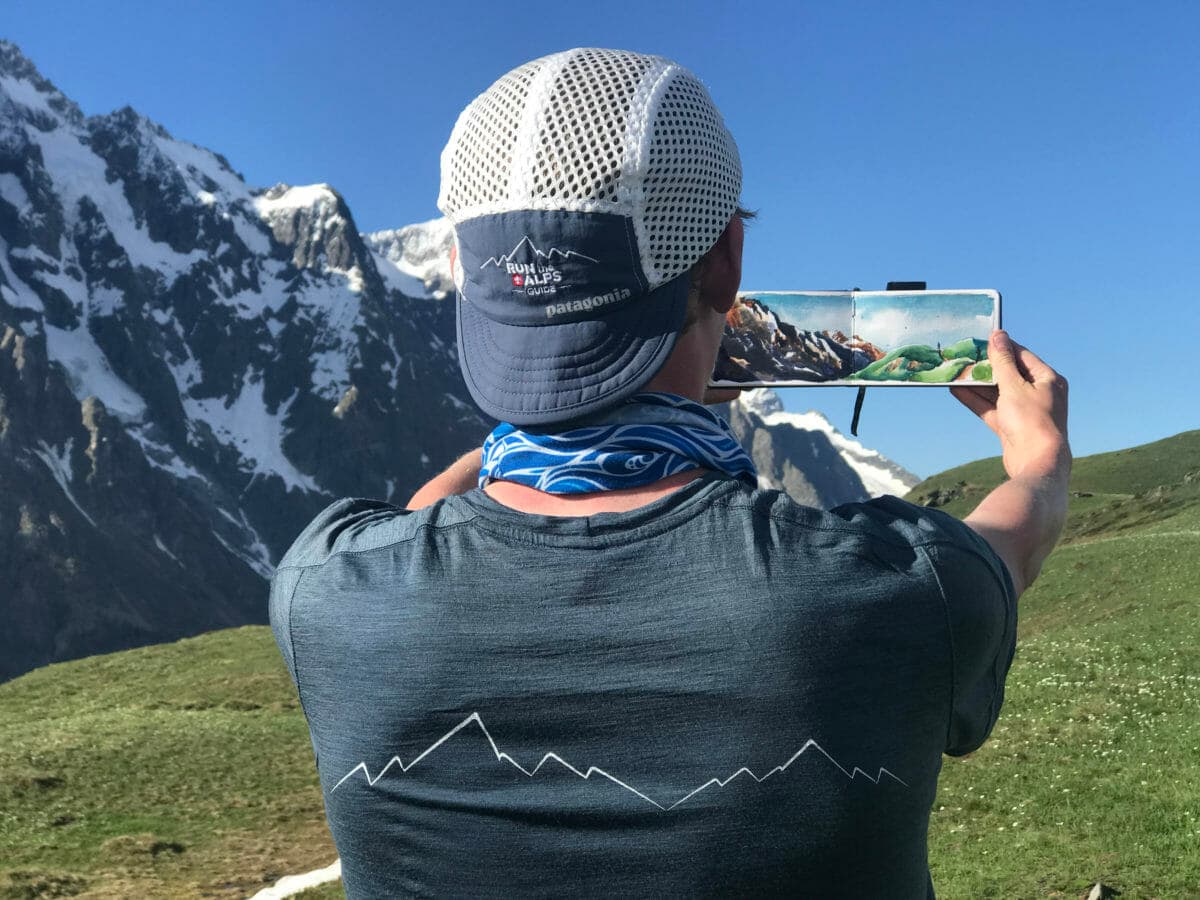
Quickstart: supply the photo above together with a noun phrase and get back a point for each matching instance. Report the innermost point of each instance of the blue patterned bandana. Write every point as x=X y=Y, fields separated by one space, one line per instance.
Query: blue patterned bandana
x=648 y=437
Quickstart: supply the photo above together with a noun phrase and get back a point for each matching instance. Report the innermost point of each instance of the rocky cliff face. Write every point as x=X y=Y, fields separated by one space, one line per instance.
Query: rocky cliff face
x=191 y=368
x=803 y=455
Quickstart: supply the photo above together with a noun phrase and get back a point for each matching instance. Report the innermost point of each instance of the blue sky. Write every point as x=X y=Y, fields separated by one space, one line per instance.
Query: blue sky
x=1048 y=150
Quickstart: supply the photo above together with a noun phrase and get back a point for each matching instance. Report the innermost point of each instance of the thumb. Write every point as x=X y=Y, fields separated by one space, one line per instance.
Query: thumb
x=1003 y=358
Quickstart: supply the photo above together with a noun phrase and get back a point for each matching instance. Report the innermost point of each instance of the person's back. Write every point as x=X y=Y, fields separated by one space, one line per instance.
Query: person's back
x=495 y=695
x=573 y=667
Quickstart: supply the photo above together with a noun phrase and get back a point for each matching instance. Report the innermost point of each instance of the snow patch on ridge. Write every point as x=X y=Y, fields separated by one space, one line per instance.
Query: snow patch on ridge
x=163 y=547
x=878 y=474
x=246 y=424
x=89 y=373
x=415 y=259
x=59 y=464
x=193 y=161
x=24 y=93
x=12 y=192
x=77 y=172
x=17 y=292
x=304 y=196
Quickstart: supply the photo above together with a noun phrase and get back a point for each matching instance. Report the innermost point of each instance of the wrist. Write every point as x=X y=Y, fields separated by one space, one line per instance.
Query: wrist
x=1049 y=458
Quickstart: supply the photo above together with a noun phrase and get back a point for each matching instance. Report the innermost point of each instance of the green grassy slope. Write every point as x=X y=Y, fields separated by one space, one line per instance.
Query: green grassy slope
x=174 y=770
x=1093 y=772
x=184 y=770
x=1145 y=486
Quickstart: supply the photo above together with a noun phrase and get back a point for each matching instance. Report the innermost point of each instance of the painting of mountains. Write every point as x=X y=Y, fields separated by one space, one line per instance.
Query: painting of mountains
x=858 y=338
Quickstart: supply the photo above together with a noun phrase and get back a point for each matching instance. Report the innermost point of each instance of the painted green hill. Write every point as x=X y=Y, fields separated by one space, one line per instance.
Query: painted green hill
x=922 y=363
x=972 y=349
x=900 y=364
x=184 y=770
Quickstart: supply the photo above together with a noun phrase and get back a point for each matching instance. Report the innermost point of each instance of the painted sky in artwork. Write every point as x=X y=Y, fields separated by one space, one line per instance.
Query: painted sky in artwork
x=890 y=322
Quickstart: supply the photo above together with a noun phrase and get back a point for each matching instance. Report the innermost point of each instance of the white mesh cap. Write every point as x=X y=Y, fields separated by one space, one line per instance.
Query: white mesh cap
x=593 y=130
x=582 y=187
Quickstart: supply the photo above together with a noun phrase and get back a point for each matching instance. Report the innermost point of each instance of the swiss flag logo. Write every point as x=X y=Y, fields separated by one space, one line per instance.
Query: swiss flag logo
x=518 y=280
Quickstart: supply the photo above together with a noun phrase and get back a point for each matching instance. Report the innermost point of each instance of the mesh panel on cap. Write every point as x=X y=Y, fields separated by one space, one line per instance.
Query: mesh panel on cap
x=580 y=144
x=480 y=150
x=693 y=178
x=606 y=131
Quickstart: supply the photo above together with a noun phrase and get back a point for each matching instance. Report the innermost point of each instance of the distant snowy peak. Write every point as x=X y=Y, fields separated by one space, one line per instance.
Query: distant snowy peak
x=879 y=474
x=415 y=259
x=22 y=84
x=316 y=223
x=761 y=401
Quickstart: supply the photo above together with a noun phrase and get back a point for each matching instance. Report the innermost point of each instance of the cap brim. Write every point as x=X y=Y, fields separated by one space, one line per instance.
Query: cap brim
x=549 y=373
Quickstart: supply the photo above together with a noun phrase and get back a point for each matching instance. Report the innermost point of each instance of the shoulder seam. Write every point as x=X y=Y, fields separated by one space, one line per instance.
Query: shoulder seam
x=885 y=537
x=949 y=639
x=403 y=540
x=292 y=639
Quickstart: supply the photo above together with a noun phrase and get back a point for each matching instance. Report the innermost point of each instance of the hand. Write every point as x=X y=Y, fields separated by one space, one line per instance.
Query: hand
x=1027 y=408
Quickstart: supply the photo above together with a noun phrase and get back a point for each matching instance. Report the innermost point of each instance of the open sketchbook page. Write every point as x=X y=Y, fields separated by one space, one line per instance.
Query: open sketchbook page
x=779 y=339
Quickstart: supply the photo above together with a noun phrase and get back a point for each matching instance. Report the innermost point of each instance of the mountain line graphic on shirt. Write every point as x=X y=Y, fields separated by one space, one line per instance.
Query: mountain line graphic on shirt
x=563 y=765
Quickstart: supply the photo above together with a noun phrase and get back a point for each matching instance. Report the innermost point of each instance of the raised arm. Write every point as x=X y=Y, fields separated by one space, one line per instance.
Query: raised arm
x=1022 y=518
x=459 y=477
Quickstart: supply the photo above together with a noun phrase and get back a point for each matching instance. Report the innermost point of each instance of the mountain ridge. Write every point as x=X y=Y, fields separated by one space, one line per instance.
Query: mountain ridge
x=192 y=367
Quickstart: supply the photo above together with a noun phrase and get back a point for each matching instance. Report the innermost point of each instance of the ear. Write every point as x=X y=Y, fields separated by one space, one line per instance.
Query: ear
x=723 y=267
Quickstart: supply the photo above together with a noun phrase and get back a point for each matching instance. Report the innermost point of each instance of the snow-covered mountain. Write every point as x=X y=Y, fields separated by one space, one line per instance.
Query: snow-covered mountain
x=809 y=458
x=192 y=367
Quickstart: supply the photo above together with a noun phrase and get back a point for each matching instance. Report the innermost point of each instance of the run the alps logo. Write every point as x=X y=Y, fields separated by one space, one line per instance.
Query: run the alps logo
x=533 y=271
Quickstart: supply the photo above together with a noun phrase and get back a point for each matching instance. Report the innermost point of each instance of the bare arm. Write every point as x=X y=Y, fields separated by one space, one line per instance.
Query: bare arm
x=461 y=476
x=1022 y=518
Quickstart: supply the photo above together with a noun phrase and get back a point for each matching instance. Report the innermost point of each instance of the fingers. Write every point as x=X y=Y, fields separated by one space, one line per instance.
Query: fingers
x=1003 y=356
x=1031 y=363
x=979 y=400
x=1013 y=363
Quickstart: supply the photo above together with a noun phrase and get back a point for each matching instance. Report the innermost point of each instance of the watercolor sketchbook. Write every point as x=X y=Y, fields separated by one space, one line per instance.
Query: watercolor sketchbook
x=857 y=338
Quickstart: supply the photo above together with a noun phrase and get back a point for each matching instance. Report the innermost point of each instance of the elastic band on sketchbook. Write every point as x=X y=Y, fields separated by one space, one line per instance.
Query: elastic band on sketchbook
x=858 y=402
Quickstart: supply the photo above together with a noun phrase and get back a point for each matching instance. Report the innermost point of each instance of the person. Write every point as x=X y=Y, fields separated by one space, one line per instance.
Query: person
x=593 y=658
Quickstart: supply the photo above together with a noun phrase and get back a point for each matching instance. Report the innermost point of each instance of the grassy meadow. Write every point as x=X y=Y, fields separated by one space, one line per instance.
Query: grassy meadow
x=184 y=770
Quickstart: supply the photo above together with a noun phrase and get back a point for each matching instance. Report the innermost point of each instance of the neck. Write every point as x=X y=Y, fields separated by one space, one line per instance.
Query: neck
x=531 y=500
x=685 y=373
x=691 y=361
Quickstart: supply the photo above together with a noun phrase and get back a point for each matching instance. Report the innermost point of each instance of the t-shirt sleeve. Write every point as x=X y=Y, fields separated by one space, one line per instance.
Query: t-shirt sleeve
x=981 y=615
x=980 y=603
x=283 y=586
x=337 y=522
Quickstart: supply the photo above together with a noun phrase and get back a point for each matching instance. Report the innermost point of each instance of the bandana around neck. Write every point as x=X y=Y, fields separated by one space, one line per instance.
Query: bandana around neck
x=648 y=437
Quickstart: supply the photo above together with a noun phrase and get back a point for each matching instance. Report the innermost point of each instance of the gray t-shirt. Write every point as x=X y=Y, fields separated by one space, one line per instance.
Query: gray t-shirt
x=722 y=692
